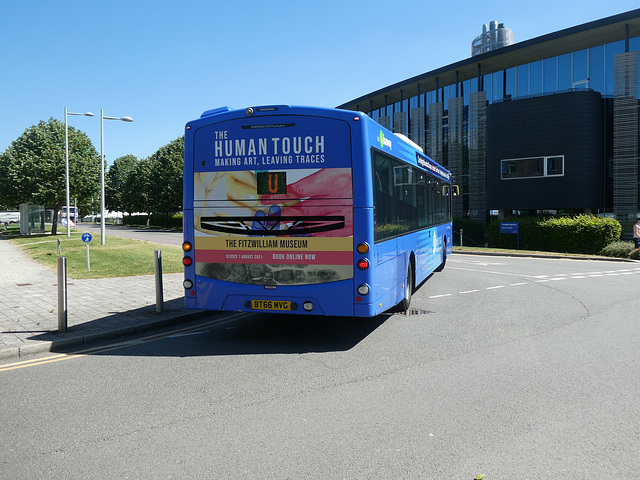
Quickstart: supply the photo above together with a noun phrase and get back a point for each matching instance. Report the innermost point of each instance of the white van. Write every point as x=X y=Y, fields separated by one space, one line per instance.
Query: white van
x=9 y=217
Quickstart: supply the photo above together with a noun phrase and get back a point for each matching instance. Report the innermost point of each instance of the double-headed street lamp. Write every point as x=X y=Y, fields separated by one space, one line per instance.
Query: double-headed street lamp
x=102 y=118
x=66 y=164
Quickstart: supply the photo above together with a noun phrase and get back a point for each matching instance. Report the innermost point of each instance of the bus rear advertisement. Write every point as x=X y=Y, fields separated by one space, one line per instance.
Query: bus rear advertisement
x=280 y=213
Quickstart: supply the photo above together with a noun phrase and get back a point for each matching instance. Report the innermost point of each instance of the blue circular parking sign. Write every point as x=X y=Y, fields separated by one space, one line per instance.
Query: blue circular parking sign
x=86 y=237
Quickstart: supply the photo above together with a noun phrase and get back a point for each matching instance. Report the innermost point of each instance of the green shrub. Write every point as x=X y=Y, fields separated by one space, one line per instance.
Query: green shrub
x=618 y=249
x=585 y=234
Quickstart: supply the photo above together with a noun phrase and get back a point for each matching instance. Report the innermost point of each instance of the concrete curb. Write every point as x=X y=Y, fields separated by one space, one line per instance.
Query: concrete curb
x=559 y=256
x=73 y=340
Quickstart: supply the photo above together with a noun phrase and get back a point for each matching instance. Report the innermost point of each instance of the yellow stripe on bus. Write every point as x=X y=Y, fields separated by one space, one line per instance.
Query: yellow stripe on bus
x=241 y=243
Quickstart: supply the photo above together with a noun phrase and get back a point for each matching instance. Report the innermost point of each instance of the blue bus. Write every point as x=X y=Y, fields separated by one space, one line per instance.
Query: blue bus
x=309 y=211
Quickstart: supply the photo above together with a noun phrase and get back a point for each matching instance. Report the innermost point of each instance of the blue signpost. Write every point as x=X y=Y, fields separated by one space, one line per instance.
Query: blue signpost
x=86 y=238
x=510 y=227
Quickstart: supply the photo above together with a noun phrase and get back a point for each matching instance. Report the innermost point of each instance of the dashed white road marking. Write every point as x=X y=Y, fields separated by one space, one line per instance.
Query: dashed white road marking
x=495 y=273
x=476 y=262
x=539 y=278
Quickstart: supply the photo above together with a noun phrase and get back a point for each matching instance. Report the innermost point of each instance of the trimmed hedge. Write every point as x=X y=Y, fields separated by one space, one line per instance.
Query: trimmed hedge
x=586 y=234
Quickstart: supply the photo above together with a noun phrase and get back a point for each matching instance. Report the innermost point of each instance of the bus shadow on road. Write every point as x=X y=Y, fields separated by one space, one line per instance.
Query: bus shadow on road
x=250 y=334
x=292 y=334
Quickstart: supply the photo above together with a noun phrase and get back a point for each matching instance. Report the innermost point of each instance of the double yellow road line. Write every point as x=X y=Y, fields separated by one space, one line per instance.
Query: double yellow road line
x=115 y=346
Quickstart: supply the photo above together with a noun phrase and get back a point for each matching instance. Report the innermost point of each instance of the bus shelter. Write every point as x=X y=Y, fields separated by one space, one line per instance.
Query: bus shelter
x=32 y=219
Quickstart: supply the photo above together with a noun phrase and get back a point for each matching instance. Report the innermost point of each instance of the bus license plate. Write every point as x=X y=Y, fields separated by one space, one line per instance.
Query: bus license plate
x=270 y=305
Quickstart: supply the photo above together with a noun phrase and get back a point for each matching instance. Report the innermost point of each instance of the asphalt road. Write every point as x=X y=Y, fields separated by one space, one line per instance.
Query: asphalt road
x=511 y=367
x=168 y=237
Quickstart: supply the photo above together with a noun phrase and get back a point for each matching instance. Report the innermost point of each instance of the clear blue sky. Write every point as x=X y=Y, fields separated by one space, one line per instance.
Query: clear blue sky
x=165 y=62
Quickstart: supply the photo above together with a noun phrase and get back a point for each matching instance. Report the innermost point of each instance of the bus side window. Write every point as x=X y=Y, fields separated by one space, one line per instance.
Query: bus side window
x=378 y=182
x=383 y=195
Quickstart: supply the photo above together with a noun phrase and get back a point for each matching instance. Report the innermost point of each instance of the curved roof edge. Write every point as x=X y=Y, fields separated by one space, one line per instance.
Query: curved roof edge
x=598 y=32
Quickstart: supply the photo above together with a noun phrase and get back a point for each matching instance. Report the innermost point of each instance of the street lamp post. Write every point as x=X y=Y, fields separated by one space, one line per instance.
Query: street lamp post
x=102 y=119
x=66 y=163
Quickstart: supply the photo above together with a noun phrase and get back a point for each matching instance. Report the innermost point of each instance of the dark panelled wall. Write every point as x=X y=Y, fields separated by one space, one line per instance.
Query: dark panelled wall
x=569 y=124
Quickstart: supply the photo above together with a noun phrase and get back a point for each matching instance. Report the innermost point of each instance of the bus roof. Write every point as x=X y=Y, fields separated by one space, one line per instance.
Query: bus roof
x=421 y=159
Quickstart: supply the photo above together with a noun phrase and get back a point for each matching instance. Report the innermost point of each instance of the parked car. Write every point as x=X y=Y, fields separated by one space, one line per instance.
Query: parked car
x=9 y=217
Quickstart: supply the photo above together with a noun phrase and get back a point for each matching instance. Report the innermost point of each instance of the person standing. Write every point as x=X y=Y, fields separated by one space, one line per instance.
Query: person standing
x=636 y=237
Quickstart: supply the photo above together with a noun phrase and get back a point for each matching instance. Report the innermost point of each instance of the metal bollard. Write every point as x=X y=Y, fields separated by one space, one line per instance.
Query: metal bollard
x=158 y=270
x=62 y=294
x=461 y=230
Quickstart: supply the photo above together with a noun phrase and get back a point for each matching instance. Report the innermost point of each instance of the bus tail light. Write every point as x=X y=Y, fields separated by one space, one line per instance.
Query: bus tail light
x=363 y=248
x=186 y=246
x=187 y=284
x=187 y=261
x=308 y=306
x=363 y=289
x=363 y=264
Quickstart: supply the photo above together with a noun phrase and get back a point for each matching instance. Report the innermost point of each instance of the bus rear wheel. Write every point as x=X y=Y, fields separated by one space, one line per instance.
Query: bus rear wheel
x=403 y=306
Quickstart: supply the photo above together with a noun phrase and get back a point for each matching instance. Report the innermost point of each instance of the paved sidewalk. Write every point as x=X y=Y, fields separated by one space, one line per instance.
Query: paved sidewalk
x=96 y=309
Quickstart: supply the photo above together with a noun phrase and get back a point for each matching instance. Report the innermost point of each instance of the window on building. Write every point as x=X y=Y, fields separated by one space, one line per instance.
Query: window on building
x=522 y=73
x=634 y=44
x=510 y=83
x=532 y=167
x=535 y=85
x=550 y=74
x=554 y=166
x=488 y=87
x=596 y=68
x=610 y=51
x=580 y=69
x=565 y=78
x=498 y=85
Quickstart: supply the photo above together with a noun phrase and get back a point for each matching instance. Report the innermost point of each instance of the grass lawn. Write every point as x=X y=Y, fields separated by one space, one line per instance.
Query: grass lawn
x=119 y=258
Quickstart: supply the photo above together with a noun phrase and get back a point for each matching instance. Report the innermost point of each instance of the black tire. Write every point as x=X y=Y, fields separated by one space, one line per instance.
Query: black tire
x=404 y=304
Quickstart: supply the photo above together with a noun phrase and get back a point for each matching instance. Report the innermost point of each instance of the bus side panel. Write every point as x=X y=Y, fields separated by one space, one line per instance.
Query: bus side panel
x=427 y=248
x=363 y=233
x=424 y=251
x=386 y=273
x=364 y=305
x=443 y=234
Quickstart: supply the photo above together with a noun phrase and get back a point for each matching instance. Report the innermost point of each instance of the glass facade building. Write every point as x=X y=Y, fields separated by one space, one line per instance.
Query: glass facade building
x=549 y=124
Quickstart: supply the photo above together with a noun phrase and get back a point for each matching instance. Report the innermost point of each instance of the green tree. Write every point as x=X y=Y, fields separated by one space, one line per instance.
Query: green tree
x=137 y=188
x=116 y=196
x=33 y=168
x=165 y=194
